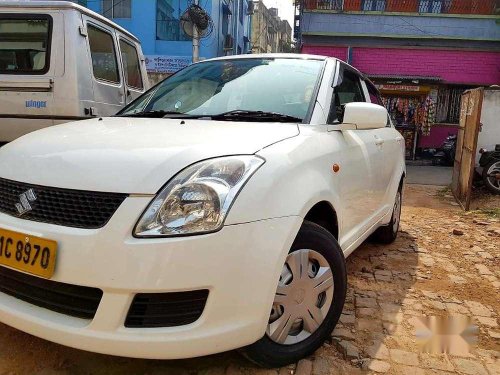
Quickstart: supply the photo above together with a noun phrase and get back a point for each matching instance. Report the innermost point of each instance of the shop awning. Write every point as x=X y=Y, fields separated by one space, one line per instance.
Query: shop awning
x=405 y=78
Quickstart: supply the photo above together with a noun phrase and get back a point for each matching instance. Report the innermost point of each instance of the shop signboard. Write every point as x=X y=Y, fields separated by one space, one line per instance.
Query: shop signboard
x=166 y=64
x=410 y=88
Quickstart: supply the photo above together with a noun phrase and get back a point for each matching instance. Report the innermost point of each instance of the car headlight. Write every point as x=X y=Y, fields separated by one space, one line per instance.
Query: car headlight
x=197 y=199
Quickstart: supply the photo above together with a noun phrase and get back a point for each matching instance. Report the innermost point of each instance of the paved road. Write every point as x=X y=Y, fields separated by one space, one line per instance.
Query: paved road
x=429 y=175
x=427 y=271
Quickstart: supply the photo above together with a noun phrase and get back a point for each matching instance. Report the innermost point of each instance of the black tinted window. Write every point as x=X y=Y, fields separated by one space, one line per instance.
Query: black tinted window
x=102 y=50
x=131 y=65
x=347 y=91
x=24 y=44
x=374 y=94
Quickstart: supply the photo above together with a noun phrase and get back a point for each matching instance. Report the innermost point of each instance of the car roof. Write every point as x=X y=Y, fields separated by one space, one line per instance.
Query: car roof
x=285 y=56
x=65 y=5
x=272 y=56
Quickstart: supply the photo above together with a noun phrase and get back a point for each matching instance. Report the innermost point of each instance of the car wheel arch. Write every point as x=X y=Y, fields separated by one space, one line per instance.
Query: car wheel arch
x=324 y=214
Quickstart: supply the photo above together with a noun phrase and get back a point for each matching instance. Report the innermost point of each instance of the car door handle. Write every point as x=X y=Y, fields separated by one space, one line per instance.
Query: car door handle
x=379 y=141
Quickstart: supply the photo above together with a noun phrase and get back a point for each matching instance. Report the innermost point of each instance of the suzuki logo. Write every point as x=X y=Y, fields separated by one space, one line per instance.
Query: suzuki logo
x=25 y=198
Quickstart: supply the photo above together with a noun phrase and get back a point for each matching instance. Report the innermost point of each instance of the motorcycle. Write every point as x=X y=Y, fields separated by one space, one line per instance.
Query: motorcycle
x=490 y=162
x=445 y=155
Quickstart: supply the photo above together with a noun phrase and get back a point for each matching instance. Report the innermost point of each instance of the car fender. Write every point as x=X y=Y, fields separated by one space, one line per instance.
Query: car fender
x=296 y=175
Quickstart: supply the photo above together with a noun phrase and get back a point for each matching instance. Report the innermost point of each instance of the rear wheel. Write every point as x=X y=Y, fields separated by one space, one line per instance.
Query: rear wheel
x=491 y=176
x=308 y=302
x=388 y=233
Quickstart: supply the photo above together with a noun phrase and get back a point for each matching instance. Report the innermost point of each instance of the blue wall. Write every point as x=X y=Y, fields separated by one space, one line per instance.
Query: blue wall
x=143 y=24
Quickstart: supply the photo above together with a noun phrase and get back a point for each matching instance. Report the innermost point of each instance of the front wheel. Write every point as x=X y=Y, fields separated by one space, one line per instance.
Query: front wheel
x=491 y=176
x=308 y=302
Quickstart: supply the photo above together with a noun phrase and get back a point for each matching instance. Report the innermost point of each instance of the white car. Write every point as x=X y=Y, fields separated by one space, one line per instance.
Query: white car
x=215 y=212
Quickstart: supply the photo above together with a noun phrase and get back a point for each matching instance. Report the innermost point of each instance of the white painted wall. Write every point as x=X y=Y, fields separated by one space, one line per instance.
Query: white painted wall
x=489 y=135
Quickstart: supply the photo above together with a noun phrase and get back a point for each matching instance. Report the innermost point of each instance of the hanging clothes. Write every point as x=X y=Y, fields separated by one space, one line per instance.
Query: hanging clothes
x=403 y=110
x=429 y=116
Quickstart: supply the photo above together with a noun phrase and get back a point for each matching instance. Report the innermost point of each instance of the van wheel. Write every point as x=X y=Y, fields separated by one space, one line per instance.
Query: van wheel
x=388 y=233
x=309 y=300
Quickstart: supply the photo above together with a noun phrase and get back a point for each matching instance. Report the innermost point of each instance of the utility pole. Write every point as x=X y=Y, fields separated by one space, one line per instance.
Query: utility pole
x=196 y=40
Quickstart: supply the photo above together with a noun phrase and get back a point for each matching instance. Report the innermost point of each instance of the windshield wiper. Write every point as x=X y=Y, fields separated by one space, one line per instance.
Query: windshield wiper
x=247 y=115
x=159 y=114
x=236 y=115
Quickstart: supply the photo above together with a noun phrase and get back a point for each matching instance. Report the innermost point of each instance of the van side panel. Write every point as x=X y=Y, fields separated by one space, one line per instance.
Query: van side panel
x=68 y=90
x=32 y=102
x=76 y=88
x=31 y=95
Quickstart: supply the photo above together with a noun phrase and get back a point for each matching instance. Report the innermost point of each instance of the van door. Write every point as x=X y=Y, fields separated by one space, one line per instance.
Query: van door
x=109 y=88
x=131 y=67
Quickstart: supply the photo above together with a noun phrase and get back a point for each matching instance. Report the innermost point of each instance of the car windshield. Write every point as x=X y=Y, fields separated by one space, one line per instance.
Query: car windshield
x=260 y=87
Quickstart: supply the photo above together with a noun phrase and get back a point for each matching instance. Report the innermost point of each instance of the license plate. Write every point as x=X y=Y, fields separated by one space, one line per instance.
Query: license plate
x=30 y=254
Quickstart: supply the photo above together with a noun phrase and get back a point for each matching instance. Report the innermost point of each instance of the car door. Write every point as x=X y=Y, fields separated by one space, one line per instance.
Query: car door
x=391 y=143
x=108 y=85
x=362 y=158
x=131 y=67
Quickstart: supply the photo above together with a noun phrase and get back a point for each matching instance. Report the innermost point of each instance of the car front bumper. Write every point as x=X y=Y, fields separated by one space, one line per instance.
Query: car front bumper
x=239 y=265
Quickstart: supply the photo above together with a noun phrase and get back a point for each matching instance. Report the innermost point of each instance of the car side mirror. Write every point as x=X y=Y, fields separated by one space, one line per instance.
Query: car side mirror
x=364 y=116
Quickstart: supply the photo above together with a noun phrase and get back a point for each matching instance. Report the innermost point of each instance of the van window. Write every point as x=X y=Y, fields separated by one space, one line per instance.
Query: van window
x=25 y=46
x=131 y=65
x=102 y=50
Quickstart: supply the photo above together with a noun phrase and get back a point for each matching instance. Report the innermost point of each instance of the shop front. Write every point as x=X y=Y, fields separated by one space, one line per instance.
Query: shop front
x=423 y=109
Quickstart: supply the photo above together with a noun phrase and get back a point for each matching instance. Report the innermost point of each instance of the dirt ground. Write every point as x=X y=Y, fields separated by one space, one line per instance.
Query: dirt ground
x=444 y=263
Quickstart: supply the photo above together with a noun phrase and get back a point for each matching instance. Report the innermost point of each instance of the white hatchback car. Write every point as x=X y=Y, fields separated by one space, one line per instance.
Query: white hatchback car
x=215 y=212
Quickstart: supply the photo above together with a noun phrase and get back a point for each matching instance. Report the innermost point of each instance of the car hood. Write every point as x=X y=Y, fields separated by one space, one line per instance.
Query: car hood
x=129 y=155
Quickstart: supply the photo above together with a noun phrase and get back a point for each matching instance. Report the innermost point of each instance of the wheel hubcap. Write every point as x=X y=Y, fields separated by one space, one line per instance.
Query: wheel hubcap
x=397 y=213
x=303 y=297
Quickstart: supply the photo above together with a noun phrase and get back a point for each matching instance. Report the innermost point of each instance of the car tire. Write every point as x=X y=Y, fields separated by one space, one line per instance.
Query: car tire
x=388 y=233
x=491 y=184
x=267 y=352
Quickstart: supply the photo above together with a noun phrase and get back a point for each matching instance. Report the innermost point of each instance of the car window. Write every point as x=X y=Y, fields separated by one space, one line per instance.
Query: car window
x=102 y=51
x=374 y=94
x=131 y=65
x=375 y=98
x=25 y=44
x=348 y=91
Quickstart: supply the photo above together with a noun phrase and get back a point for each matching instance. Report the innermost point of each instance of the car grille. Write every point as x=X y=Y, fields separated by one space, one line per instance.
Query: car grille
x=156 y=310
x=73 y=300
x=70 y=208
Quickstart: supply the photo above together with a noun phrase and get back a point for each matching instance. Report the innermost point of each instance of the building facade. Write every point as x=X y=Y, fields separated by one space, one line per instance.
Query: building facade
x=270 y=33
x=285 y=43
x=422 y=54
x=166 y=46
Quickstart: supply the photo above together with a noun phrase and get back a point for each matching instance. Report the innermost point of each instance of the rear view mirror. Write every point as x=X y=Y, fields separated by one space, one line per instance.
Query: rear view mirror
x=364 y=116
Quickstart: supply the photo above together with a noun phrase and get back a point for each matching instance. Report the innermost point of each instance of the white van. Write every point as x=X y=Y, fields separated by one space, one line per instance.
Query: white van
x=61 y=62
